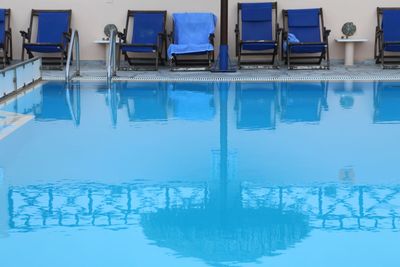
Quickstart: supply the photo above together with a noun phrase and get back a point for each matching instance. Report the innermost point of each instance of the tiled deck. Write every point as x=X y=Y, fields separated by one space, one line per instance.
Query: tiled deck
x=96 y=71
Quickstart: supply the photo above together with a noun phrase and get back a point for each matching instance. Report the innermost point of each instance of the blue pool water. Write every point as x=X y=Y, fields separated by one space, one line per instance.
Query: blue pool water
x=201 y=174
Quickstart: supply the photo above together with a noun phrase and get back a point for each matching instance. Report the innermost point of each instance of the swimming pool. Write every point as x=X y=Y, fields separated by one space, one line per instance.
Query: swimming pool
x=201 y=174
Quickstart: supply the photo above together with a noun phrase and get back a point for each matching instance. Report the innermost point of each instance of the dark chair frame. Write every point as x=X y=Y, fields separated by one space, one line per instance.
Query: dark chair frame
x=379 y=51
x=7 y=54
x=177 y=63
x=162 y=39
x=27 y=37
x=294 y=62
x=239 y=43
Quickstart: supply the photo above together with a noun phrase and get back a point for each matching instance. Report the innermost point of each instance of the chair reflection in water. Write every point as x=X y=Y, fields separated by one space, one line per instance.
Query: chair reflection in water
x=256 y=105
x=192 y=101
x=144 y=101
x=303 y=102
x=386 y=102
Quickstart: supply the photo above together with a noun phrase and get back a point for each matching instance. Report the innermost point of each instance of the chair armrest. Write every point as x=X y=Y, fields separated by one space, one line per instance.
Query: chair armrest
x=171 y=37
x=24 y=34
x=67 y=36
x=211 y=38
x=122 y=35
x=279 y=30
x=378 y=30
x=326 y=33
x=284 y=35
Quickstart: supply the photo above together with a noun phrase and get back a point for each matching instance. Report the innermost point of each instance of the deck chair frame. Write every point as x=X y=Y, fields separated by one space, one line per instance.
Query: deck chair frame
x=306 y=61
x=386 y=61
x=6 y=49
x=27 y=37
x=267 y=53
x=158 y=50
x=180 y=63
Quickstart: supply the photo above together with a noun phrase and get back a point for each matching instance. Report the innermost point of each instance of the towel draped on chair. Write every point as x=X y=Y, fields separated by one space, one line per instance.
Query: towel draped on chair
x=192 y=32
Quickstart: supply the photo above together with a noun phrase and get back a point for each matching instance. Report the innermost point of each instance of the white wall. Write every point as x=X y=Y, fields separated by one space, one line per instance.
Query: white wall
x=90 y=17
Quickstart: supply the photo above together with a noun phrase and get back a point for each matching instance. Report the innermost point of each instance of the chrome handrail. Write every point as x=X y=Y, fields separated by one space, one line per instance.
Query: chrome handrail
x=73 y=43
x=111 y=63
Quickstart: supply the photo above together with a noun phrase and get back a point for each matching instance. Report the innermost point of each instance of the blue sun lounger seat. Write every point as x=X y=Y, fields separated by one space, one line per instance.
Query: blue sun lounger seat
x=192 y=35
x=5 y=37
x=148 y=37
x=53 y=34
x=387 y=38
x=305 y=38
x=257 y=33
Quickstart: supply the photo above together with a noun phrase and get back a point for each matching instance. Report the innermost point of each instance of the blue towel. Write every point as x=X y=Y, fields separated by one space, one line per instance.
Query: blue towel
x=291 y=39
x=2 y=25
x=192 y=32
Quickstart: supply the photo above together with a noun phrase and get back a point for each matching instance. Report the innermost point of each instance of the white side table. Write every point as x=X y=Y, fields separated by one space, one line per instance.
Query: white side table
x=106 y=43
x=349 y=49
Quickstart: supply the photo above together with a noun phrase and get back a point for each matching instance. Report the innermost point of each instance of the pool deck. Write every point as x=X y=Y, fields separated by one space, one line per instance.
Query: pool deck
x=367 y=71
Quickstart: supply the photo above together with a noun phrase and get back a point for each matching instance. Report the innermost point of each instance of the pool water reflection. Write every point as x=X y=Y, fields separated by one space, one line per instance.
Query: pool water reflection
x=202 y=174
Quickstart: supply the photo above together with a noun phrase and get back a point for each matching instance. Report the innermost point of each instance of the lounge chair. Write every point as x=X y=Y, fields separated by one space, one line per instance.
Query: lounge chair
x=257 y=33
x=52 y=35
x=5 y=37
x=387 y=37
x=305 y=35
x=148 y=37
x=192 y=36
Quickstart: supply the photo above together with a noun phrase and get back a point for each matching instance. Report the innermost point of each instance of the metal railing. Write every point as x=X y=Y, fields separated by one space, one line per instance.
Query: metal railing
x=73 y=43
x=111 y=63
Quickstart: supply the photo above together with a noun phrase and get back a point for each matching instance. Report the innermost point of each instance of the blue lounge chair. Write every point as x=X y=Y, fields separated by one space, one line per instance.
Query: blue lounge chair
x=148 y=37
x=5 y=37
x=257 y=33
x=305 y=35
x=192 y=35
x=53 y=34
x=387 y=38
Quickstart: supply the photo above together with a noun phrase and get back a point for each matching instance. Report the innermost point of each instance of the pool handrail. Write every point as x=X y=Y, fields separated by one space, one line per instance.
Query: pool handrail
x=111 y=63
x=73 y=43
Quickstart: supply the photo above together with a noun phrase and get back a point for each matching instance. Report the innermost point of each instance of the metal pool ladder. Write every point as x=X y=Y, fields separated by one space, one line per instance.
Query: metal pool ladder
x=111 y=63
x=73 y=43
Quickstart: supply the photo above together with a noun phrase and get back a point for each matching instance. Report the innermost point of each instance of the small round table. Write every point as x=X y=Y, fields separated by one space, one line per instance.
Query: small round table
x=349 y=49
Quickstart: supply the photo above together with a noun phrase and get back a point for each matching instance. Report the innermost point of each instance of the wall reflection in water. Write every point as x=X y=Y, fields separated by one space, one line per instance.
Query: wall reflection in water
x=214 y=222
